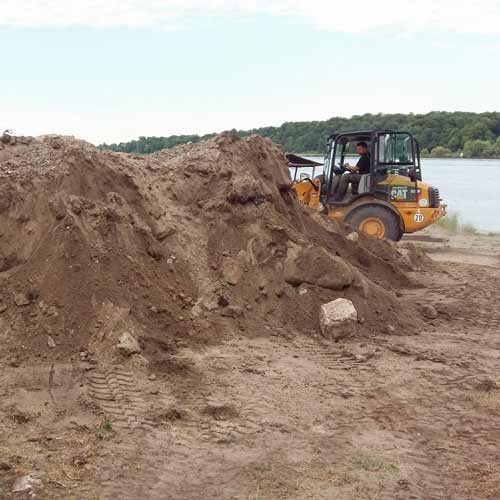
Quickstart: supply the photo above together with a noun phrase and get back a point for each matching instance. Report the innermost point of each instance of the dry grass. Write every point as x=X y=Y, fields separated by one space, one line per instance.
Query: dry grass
x=453 y=224
x=368 y=461
x=105 y=429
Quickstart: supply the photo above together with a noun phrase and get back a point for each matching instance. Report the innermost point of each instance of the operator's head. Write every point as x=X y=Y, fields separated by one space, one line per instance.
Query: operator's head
x=362 y=148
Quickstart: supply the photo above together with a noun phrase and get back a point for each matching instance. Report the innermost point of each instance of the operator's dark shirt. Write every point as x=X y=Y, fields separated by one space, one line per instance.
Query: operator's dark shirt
x=364 y=164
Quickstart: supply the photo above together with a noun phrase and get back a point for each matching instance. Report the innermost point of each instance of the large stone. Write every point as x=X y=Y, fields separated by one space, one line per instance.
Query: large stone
x=232 y=270
x=20 y=299
x=128 y=344
x=338 y=319
x=247 y=189
x=317 y=266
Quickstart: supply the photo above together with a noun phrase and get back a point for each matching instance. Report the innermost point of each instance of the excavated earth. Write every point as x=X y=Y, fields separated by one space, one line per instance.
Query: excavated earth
x=202 y=256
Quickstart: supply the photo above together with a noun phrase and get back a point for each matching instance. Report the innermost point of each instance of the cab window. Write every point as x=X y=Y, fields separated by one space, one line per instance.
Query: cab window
x=395 y=149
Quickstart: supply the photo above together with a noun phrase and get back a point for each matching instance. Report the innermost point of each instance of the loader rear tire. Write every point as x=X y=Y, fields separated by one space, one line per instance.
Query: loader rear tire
x=377 y=221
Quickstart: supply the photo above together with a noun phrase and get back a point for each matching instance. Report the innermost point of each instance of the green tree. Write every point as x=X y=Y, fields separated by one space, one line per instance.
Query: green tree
x=440 y=152
x=477 y=130
x=476 y=149
x=438 y=128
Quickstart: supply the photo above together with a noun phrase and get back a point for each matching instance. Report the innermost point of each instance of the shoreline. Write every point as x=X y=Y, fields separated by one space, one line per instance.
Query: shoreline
x=322 y=155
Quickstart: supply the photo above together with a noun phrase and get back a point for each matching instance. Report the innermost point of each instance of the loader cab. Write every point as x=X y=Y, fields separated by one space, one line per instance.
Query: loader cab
x=391 y=153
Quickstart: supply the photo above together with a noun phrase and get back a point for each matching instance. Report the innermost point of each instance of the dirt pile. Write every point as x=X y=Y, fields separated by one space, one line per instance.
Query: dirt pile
x=189 y=244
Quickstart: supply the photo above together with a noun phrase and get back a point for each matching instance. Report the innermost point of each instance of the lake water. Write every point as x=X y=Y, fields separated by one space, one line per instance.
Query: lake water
x=469 y=187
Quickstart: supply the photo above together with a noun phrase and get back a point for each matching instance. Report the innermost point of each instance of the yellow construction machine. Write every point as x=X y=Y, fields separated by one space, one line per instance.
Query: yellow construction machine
x=389 y=201
x=306 y=184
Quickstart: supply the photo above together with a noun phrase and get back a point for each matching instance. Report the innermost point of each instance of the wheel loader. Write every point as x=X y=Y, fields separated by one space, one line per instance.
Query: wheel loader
x=389 y=201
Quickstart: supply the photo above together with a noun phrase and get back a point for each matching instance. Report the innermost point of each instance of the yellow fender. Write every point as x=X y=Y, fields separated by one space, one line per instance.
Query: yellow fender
x=308 y=191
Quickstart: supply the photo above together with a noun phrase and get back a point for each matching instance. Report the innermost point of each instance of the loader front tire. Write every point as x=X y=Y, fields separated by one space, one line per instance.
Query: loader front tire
x=376 y=221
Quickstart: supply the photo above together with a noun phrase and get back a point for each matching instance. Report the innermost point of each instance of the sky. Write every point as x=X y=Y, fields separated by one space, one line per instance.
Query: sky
x=109 y=71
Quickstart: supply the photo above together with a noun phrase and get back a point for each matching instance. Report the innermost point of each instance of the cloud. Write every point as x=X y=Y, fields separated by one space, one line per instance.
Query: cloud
x=364 y=16
x=479 y=16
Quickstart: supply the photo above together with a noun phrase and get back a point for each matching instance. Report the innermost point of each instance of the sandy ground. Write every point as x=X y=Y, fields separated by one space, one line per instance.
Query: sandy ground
x=482 y=248
x=280 y=416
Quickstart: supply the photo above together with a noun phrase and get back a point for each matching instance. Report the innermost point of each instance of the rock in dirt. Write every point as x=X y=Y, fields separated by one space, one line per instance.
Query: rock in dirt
x=51 y=342
x=26 y=483
x=247 y=190
x=338 y=319
x=232 y=271
x=429 y=311
x=317 y=266
x=353 y=236
x=155 y=250
x=233 y=312
x=196 y=311
x=21 y=299
x=128 y=344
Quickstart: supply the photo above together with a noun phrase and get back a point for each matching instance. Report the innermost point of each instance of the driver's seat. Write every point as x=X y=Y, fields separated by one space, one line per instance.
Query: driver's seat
x=364 y=184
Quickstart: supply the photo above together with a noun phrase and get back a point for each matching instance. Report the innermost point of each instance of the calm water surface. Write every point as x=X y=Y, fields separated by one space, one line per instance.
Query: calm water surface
x=470 y=187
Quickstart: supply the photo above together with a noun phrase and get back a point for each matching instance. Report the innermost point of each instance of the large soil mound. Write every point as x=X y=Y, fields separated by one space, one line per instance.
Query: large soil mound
x=193 y=243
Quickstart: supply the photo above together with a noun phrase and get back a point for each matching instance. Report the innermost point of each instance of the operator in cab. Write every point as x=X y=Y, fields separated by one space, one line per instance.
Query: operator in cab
x=355 y=172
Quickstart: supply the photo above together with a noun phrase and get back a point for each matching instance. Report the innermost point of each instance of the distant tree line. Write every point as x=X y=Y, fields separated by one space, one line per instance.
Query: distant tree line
x=152 y=144
x=440 y=134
